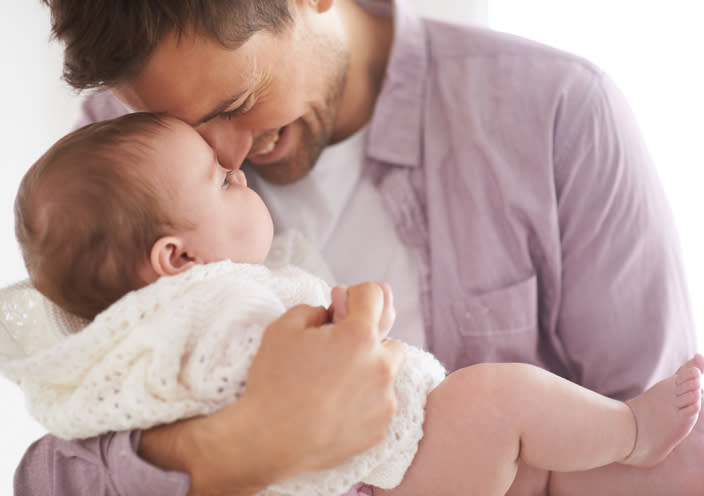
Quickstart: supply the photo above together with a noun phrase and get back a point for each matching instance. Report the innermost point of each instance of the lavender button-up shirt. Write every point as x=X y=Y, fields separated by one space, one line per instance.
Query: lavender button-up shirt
x=519 y=175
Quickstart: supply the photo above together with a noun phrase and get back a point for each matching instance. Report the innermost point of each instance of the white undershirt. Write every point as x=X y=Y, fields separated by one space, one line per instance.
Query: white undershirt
x=342 y=214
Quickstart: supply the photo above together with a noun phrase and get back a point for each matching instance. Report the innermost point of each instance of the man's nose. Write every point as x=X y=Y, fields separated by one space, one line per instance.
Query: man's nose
x=231 y=143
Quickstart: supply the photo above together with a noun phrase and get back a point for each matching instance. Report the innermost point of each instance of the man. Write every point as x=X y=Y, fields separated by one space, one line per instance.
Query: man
x=501 y=187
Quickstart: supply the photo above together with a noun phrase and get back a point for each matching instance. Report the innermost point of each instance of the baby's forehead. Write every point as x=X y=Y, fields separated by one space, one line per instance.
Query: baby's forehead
x=178 y=132
x=175 y=124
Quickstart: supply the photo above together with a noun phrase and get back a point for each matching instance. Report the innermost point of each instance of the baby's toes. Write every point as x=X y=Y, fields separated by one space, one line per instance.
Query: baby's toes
x=690 y=412
x=688 y=398
x=686 y=377
x=688 y=388
x=697 y=361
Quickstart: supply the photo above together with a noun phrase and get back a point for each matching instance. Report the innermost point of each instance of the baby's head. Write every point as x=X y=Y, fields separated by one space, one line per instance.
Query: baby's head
x=115 y=205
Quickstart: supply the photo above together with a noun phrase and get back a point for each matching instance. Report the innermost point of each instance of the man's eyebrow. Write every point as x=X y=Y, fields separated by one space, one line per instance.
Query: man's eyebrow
x=219 y=109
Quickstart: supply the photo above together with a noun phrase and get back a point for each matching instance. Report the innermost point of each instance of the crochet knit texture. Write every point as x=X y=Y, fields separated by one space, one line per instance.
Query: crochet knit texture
x=181 y=347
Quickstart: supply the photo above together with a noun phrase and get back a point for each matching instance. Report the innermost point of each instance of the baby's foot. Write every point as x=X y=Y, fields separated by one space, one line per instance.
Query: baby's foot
x=666 y=413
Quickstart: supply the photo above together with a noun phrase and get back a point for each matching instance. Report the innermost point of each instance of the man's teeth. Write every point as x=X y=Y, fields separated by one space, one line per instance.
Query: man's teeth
x=272 y=144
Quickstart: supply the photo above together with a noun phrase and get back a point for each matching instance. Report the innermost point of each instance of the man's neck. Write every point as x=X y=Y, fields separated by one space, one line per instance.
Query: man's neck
x=369 y=42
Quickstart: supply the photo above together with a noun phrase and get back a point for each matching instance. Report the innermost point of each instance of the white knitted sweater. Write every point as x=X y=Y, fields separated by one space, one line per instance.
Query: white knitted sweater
x=182 y=347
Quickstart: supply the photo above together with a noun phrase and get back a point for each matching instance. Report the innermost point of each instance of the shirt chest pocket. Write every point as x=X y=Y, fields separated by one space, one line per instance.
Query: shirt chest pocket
x=505 y=311
x=496 y=326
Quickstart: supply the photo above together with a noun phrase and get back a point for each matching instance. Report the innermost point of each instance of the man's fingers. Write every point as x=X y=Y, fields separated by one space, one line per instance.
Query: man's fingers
x=396 y=351
x=304 y=316
x=388 y=294
x=365 y=304
x=388 y=316
x=338 y=304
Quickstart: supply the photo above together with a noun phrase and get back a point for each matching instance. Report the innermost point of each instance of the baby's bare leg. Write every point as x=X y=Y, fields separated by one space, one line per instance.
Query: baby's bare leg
x=597 y=429
x=482 y=420
x=466 y=447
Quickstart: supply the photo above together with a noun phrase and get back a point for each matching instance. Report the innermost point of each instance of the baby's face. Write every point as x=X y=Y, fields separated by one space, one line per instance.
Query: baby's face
x=230 y=220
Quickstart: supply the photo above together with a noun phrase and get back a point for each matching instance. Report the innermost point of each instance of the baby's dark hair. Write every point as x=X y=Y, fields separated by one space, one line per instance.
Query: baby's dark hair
x=87 y=214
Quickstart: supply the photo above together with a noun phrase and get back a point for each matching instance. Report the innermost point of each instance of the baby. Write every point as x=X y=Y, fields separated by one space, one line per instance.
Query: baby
x=133 y=225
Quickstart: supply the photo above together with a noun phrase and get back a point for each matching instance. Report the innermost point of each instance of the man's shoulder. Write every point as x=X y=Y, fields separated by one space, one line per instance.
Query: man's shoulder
x=501 y=53
x=100 y=105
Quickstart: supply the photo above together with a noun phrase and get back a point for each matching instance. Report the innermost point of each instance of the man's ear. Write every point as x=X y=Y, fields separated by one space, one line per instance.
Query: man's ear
x=169 y=256
x=322 y=5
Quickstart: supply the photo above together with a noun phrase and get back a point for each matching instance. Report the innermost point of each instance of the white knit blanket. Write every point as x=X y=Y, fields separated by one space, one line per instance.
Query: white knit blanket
x=182 y=347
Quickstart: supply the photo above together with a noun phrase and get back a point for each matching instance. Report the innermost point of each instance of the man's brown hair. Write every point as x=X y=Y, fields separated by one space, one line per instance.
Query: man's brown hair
x=109 y=42
x=87 y=216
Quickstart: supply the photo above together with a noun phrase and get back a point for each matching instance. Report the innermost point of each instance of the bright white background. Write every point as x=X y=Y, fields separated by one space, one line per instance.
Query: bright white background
x=649 y=47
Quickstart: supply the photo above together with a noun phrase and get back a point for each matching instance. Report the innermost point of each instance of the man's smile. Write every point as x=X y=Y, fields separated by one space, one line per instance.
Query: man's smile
x=270 y=147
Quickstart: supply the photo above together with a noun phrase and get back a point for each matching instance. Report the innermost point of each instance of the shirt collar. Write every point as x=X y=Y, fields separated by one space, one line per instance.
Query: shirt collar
x=396 y=125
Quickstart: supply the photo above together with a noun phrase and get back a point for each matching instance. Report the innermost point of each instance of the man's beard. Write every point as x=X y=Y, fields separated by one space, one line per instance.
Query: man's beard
x=315 y=135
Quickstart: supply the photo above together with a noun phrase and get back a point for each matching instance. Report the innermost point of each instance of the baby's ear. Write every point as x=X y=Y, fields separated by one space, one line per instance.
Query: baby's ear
x=169 y=256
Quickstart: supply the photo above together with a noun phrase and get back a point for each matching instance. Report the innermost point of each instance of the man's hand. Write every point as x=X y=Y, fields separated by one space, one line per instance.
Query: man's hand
x=336 y=381
x=317 y=393
x=338 y=307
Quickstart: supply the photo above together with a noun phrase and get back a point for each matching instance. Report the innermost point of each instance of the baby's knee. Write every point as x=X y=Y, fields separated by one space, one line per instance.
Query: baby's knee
x=491 y=384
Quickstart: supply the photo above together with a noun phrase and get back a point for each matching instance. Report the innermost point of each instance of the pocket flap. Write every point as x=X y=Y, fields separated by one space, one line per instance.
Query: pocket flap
x=507 y=310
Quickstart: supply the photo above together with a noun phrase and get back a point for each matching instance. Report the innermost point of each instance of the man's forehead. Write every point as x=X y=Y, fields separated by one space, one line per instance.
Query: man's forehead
x=192 y=77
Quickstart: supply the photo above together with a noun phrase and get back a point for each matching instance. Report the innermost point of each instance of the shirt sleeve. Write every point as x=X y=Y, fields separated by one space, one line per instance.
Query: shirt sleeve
x=624 y=317
x=107 y=465
x=99 y=106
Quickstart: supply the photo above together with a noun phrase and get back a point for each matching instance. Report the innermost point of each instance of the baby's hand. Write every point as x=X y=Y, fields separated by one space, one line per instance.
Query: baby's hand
x=338 y=307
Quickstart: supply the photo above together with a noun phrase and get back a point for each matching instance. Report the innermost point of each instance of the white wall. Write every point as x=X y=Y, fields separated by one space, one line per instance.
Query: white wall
x=37 y=108
x=458 y=11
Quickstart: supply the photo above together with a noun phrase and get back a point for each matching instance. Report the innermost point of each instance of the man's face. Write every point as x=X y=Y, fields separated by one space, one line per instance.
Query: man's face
x=272 y=101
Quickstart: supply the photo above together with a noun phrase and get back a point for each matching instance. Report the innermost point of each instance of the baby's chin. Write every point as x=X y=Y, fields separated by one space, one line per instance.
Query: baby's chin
x=267 y=240
x=259 y=254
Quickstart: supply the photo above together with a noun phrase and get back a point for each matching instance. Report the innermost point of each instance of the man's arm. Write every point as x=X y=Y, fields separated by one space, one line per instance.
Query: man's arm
x=316 y=394
x=105 y=465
